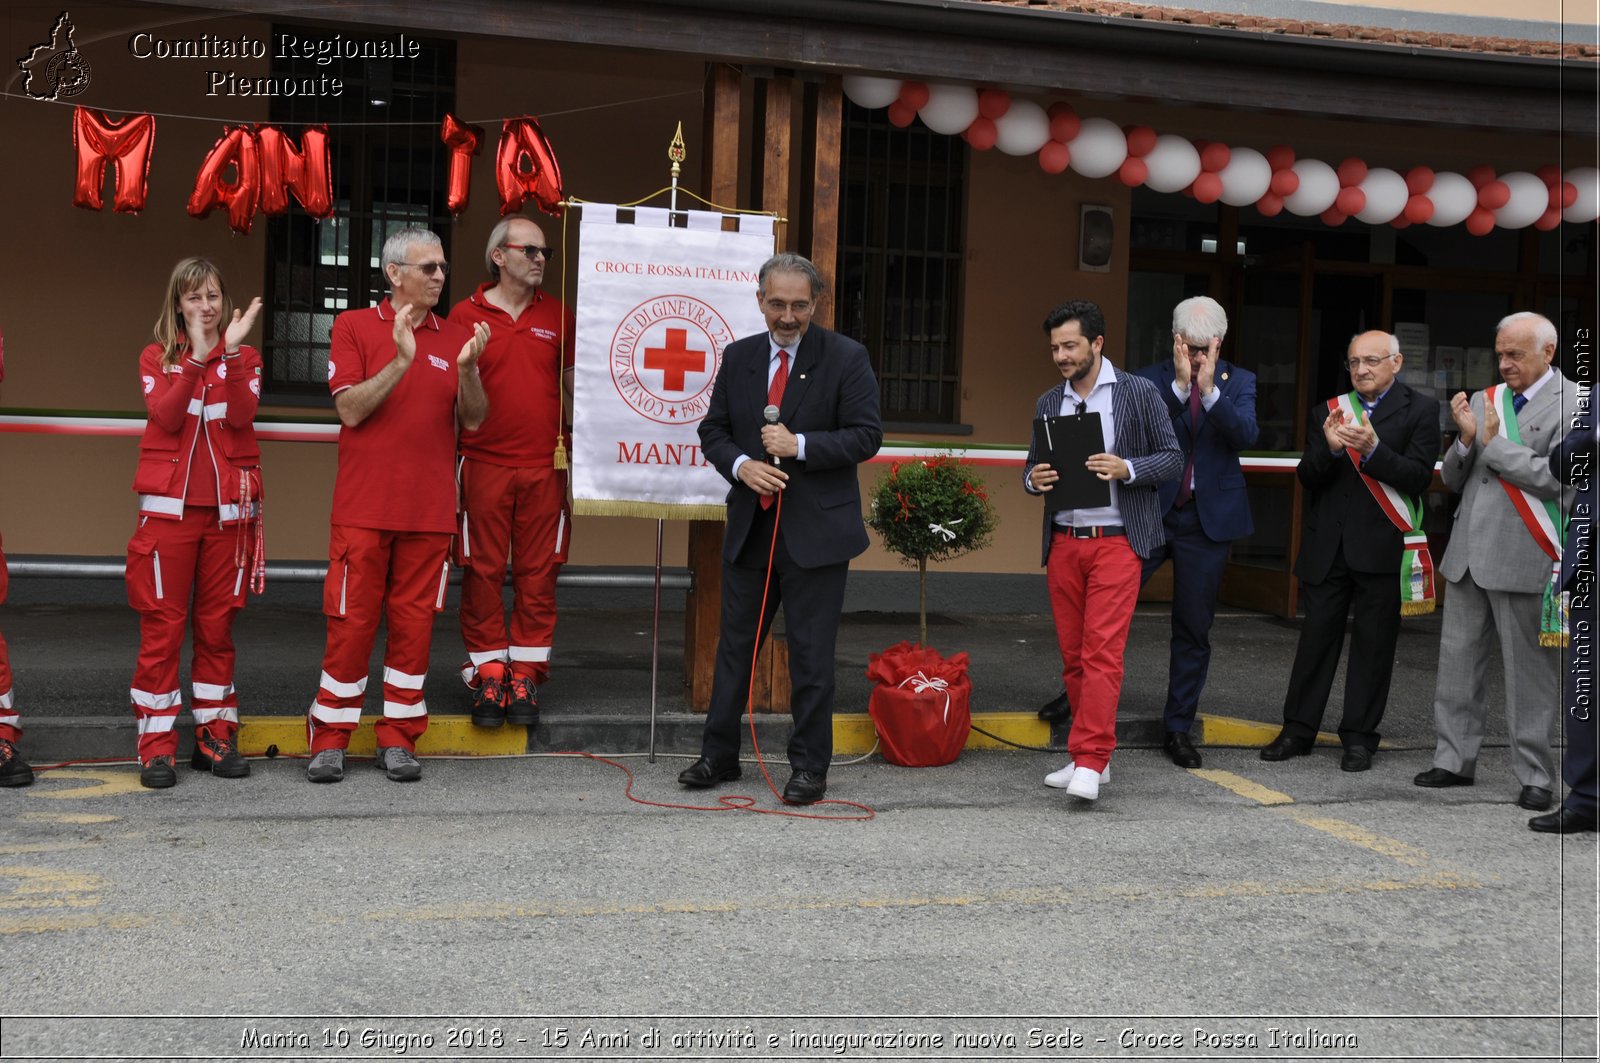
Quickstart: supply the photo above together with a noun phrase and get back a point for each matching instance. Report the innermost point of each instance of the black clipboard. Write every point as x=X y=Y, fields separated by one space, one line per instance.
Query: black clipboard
x=1066 y=443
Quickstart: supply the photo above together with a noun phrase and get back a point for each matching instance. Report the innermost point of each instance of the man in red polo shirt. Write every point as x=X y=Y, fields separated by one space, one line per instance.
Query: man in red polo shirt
x=401 y=379
x=513 y=498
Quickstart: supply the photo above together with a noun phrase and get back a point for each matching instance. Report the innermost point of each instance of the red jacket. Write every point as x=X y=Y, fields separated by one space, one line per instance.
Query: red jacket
x=222 y=397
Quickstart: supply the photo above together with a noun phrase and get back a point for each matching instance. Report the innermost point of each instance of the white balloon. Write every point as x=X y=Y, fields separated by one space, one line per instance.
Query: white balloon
x=1099 y=148
x=1386 y=193
x=1587 y=206
x=950 y=108
x=1530 y=198
x=1454 y=199
x=1023 y=130
x=1174 y=164
x=871 y=93
x=1246 y=178
x=1319 y=187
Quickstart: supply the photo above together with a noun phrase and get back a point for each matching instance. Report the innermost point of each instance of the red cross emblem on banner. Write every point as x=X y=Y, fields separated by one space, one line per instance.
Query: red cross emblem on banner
x=675 y=359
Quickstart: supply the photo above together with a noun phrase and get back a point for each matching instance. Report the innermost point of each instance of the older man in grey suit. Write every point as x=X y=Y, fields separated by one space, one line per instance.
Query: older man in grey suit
x=1499 y=561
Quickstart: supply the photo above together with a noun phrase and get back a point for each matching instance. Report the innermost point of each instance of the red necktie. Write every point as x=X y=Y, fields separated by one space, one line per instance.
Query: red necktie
x=1185 y=491
x=775 y=398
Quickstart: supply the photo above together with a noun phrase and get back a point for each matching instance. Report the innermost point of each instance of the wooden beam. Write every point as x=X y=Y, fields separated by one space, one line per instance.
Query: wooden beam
x=825 y=159
x=777 y=155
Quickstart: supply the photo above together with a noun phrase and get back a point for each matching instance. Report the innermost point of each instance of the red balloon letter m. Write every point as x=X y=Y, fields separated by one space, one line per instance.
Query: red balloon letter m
x=126 y=144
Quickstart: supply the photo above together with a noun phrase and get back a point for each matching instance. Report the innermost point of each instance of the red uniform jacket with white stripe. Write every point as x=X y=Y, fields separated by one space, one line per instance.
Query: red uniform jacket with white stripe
x=192 y=407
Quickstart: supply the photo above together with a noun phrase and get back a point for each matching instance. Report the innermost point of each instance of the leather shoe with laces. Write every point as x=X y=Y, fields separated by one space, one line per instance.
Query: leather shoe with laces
x=158 y=773
x=1535 y=798
x=14 y=771
x=219 y=755
x=1563 y=820
x=1438 y=778
x=1356 y=758
x=805 y=787
x=1285 y=746
x=1181 y=750
x=702 y=774
x=1056 y=709
x=489 y=701
x=522 y=706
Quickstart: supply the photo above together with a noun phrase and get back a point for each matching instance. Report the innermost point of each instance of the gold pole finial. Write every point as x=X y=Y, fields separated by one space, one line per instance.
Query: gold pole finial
x=676 y=151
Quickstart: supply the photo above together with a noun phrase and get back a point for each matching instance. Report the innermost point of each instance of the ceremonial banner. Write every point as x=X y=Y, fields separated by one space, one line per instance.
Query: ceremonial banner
x=656 y=305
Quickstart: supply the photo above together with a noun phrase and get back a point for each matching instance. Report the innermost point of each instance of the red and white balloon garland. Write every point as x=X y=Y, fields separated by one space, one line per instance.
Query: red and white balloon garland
x=1210 y=171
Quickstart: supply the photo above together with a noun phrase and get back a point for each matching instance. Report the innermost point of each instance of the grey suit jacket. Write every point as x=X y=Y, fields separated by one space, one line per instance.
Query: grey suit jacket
x=1488 y=538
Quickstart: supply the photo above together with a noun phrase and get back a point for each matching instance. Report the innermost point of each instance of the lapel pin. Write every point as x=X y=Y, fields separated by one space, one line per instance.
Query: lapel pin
x=802 y=376
x=1224 y=376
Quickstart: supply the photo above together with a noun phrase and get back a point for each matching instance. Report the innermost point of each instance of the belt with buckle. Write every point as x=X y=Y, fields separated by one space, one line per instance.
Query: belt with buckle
x=1093 y=531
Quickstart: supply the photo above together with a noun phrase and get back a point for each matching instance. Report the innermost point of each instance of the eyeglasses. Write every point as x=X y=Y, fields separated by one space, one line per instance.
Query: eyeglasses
x=430 y=268
x=1371 y=363
x=531 y=250
x=779 y=307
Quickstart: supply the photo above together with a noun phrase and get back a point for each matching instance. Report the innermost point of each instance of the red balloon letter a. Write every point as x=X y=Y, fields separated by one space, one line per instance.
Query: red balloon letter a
x=126 y=144
x=521 y=138
x=236 y=148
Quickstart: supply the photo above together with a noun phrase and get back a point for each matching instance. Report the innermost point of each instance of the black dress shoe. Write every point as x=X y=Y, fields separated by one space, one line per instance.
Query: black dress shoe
x=1563 y=820
x=702 y=773
x=1356 y=758
x=805 y=787
x=1535 y=798
x=1285 y=746
x=1056 y=709
x=1181 y=750
x=1435 y=778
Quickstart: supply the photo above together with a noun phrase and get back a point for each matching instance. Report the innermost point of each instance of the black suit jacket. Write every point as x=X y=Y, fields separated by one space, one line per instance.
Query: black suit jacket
x=831 y=399
x=1340 y=511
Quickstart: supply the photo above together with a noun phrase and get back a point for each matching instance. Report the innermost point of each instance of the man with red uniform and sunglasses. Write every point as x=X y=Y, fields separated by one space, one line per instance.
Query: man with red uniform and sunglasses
x=402 y=377
x=513 y=498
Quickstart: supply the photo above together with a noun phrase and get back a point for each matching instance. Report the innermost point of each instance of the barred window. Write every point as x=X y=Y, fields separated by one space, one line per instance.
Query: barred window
x=901 y=211
x=389 y=169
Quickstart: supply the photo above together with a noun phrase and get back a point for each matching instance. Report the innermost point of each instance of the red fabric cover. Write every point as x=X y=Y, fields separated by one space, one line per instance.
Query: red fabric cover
x=919 y=725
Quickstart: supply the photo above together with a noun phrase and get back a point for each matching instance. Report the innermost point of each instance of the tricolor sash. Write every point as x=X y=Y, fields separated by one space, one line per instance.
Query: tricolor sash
x=1405 y=513
x=1542 y=516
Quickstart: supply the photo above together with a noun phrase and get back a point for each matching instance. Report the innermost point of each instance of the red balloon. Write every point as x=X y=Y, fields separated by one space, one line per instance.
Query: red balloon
x=1549 y=173
x=1270 y=205
x=1352 y=171
x=1334 y=216
x=1550 y=219
x=1064 y=122
x=1133 y=172
x=464 y=142
x=1399 y=221
x=1280 y=156
x=993 y=103
x=982 y=133
x=1419 y=208
x=1418 y=180
x=914 y=94
x=1494 y=195
x=1214 y=157
x=1208 y=188
x=237 y=148
x=522 y=139
x=1480 y=222
x=1285 y=183
x=901 y=114
x=306 y=172
x=126 y=144
x=1141 y=140
x=1480 y=175
x=1054 y=157
x=1187 y=191
x=1569 y=194
x=1350 y=201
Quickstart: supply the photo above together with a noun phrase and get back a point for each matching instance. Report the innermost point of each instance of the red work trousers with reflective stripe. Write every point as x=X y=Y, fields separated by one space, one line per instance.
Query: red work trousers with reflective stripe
x=9 y=731
x=178 y=569
x=401 y=576
x=521 y=513
x=1093 y=586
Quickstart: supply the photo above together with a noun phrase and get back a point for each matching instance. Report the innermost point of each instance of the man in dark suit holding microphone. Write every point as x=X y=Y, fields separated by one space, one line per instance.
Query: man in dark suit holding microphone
x=795 y=498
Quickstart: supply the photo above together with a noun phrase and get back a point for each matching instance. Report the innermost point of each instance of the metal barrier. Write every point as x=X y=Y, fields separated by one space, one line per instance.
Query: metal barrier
x=677 y=579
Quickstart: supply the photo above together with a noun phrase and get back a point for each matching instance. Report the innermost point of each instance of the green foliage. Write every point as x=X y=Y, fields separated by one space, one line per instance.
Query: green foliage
x=931 y=509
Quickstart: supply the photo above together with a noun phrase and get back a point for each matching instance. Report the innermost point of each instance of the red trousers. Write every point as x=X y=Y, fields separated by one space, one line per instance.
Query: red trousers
x=1093 y=586
x=172 y=563
x=521 y=513
x=9 y=730
x=401 y=576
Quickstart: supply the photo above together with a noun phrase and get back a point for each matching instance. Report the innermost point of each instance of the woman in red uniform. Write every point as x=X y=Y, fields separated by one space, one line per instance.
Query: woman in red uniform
x=199 y=533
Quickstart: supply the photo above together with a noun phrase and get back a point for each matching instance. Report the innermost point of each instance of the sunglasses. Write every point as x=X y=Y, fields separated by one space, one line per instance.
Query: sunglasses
x=430 y=268
x=531 y=250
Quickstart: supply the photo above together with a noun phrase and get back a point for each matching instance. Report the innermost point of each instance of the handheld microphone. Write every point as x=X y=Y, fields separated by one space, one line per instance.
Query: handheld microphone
x=771 y=415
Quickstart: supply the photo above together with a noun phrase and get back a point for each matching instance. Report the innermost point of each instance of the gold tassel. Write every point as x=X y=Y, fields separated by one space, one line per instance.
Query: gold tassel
x=1422 y=608
x=1553 y=639
x=589 y=507
x=560 y=454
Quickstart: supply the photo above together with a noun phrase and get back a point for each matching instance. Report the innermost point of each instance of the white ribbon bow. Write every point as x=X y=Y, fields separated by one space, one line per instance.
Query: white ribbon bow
x=940 y=529
x=921 y=683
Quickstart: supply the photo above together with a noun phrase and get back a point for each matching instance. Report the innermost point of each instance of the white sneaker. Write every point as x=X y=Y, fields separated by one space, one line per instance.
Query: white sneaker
x=1085 y=784
x=1060 y=779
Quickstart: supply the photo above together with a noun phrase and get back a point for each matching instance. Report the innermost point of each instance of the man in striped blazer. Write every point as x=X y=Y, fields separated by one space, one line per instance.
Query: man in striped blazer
x=1093 y=556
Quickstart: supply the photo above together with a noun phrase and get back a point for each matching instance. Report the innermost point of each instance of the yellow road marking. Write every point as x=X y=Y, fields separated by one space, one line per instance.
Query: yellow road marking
x=44 y=847
x=1366 y=839
x=84 y=818
x=1252 y=791
x=74 y=922
x=102 y=783
x=40 y=887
